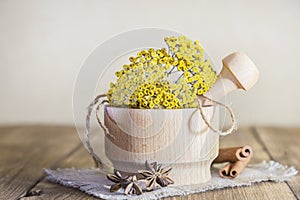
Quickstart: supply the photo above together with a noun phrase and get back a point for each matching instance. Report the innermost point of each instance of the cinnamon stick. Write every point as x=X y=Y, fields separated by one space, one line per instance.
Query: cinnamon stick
x=232 y=170
x=237 y=167
x=233 y=154
x=247 y=151
x=237 y=157
x=225 y=171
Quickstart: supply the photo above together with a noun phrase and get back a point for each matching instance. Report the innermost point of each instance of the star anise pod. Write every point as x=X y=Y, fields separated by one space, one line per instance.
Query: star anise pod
x=130 y=183
x=133 y=186
x=118 y=180
x=154 y=173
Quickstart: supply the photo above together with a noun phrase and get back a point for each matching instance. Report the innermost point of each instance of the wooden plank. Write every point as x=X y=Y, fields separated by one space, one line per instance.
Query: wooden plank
x=26 y=150
x=282 y=145
x=53 y=191
x=259 y=191
x=79 y=159
x=5 y=131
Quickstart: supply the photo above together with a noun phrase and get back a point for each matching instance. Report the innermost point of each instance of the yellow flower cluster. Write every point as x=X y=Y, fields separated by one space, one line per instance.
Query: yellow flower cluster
x=145 y=82
x=184 y=93
x=155 y=95
x=189 y=58
x=148 y=66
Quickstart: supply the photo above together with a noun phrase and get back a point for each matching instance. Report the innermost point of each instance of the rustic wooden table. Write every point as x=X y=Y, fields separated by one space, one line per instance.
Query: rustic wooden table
x=26 y=150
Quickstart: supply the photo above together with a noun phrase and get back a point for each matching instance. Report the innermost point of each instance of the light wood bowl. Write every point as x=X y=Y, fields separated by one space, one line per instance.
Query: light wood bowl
x=177 y=138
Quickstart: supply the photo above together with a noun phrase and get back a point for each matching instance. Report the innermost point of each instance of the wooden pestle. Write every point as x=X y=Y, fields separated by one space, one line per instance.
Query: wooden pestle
x=238 y=72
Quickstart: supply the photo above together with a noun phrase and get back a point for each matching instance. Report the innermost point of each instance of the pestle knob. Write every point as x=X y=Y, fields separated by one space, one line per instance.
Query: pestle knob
x=238 y=72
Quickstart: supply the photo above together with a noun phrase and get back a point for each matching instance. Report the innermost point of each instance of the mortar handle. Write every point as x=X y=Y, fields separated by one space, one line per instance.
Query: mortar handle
x=238 y=72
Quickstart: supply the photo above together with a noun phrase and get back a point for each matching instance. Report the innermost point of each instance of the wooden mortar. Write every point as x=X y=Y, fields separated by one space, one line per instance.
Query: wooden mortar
x=182 y=141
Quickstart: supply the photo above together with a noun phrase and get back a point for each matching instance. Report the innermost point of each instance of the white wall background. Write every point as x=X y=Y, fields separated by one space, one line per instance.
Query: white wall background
x=43 y=43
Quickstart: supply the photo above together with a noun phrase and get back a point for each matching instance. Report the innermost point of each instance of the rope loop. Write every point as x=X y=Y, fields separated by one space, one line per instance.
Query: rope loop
x=233 y=120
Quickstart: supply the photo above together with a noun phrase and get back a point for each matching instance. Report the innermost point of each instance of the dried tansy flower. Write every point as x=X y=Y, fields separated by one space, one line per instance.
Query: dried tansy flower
x=154 y=95
x=162 y=79
x=148 y=66
x=155 y=174
x=189 y=58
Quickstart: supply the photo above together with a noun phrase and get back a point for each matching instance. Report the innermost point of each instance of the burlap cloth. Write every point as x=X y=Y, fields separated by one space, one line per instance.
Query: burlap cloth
x=94 y=182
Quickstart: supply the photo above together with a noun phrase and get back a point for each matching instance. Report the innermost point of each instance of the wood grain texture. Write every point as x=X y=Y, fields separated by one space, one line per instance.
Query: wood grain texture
x=268 y=191
x=282 y=145
x=80 y=159
x=163 y=136
x=26 y=150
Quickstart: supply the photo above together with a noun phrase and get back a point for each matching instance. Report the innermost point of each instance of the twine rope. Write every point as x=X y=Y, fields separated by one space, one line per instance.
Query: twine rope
x=233 y=120
x=104 y=128
x=86 y=137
